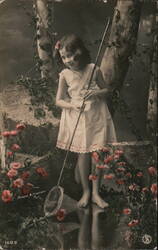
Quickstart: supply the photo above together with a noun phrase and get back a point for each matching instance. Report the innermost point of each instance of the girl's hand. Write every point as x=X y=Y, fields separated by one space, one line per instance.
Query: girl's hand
x=77 y=107
x=91 y=93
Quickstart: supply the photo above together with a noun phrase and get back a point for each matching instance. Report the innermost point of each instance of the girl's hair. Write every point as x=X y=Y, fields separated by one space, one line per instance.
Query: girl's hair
x=71 y=43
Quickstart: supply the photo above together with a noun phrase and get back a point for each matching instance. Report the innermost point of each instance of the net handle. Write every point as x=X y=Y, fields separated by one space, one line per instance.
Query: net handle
x=83 y=103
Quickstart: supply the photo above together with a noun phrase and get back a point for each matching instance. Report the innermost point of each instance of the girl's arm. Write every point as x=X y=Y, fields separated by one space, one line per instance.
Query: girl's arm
x=61 y=97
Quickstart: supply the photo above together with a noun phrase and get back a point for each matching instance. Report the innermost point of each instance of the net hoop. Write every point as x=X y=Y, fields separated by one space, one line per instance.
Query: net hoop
x=55 y=191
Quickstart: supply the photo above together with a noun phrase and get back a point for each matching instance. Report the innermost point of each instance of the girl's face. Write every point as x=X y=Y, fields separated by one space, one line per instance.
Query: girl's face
x=71 y=60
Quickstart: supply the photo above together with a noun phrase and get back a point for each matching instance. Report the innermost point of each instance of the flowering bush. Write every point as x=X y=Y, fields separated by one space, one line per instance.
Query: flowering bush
x=140 y=199
x=15 y=178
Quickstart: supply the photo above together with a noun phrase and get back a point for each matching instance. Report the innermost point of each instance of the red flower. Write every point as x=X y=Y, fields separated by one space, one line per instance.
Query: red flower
x=95 y=156
x=10 y=153
x=14 y=132
x=120 y=181
x=42 y=172
x=18 y=183
x=15 y=147
x=145 y=189
x=26 y=189
x=6 y=196
x=20 y=126
x=133 y=223
x=101 y=166
x=119 y=152
x=121 y=169
x=116 y=157
x=121 y=163
x=153 y=188
x=12 y=173
x=60 y=214
x=25 y=175
x=92 y=177
x=152 y=170
x=127 y=211
x=6 y=133
x=109 y=176
x=129 y=175
x=132 y=187
x=139 y=174
x=108 y=159
x=15 y=165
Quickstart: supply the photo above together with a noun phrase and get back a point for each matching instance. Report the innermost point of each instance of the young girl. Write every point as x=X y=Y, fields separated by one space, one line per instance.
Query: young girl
x=95 y=128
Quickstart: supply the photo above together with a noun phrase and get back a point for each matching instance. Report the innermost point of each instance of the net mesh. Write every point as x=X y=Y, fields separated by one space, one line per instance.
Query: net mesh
x=53 y=201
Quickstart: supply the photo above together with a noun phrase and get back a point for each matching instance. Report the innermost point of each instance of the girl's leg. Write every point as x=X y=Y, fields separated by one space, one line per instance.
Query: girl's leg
x=84 y=171
x=95 y=190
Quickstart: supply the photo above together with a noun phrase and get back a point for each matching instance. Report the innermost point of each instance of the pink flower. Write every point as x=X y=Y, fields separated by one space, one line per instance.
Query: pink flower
x=20 y=126
x=116 y=157
x=101 y=166
x=119 y=152
x=121 y=163
x=133 y=223
x=95 y=156
x=120 y=181
x=12 y=173
x=15 y=165
x=41 y=171
x=10 y=153
x=15 y=147
x=92 y=177
x=18 y=183
x=26 y=189
x=152 y=171
x=25 y=175
x=121 y=169
x=6 y=196
x=153 y=188
x=127 y=211
x=108 y=159
x=60 y=214
x=129 y=175
x=6 y=133
x=133 y=187
x=14 y=132
x=139 y=174
x=109 y=176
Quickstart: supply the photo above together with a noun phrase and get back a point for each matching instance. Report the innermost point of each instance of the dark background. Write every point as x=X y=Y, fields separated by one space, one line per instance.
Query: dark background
x=87 y=20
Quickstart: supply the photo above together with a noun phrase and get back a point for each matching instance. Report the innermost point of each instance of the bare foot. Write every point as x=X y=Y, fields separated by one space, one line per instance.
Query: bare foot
x=83 y=202
x=97 y=210
x=99 y=201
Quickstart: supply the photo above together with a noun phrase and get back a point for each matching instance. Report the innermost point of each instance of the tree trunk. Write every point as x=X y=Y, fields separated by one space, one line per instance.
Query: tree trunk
x=45 y=39
x=121 y=45
x=2 y=139
x=152 y=99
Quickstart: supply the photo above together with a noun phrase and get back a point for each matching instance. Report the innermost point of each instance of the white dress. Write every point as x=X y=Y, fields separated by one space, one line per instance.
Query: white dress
x=95 y=128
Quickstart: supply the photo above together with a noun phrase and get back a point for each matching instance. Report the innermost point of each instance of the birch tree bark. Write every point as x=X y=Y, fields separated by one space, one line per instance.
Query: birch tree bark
x=152 y=99
x=45 y=38
x=121 y=45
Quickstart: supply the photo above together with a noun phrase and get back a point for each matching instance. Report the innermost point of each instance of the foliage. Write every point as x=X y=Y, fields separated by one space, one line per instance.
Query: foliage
x=16 y=178
x=140 y=197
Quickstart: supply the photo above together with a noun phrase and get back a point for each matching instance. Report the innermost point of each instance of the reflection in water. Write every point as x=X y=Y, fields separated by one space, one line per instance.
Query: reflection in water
x=89 y=236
